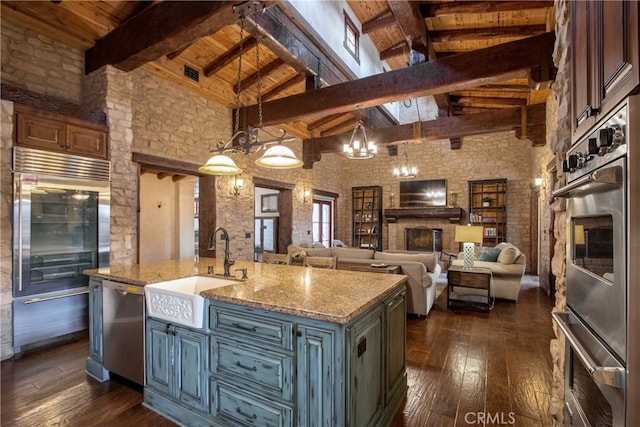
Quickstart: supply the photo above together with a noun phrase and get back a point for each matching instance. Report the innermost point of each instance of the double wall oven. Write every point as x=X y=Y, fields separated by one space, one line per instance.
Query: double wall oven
x=600 y=368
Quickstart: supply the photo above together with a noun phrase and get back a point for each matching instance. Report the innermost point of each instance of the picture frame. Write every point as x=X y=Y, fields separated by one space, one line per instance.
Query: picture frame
x=269 y=203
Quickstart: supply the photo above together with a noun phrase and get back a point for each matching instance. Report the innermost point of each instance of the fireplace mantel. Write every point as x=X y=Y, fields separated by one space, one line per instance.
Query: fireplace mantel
x=453 y=214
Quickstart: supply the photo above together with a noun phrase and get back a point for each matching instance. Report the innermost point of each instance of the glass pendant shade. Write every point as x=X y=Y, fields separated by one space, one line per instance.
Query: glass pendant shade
x=220 y=165
x=279 y=157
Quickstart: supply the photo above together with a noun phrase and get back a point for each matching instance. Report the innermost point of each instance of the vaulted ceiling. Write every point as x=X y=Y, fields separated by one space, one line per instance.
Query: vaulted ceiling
x=486 y=63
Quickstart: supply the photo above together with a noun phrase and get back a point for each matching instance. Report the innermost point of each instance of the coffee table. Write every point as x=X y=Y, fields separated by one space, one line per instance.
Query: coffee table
x=354 y=266
x=478 y=278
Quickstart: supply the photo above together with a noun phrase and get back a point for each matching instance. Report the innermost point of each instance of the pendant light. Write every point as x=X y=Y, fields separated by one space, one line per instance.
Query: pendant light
x=359 y=147
x=404 y=169
x=247 y=141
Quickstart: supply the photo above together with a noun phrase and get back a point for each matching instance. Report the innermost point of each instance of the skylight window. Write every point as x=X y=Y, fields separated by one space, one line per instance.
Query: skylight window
x=351 y=37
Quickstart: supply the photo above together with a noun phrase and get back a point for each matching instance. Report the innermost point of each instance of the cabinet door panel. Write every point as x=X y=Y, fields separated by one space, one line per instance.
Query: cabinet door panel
x=95 y=324
x=191 y=369
x=583 y=69
x=159 y=357
x=396 y=344
x=88 y=142
x=316 y=376
x=40 y=132
x=366 y=393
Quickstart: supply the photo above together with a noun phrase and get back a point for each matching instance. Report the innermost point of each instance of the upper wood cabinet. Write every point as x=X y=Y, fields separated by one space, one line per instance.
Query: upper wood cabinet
x=605 y=61
x=53 y=132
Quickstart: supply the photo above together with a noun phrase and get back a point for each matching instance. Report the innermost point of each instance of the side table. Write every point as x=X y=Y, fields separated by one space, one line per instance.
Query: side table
x=478 y=278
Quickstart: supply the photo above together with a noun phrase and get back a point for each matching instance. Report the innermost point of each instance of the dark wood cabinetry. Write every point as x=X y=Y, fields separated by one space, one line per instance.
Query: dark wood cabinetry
x=52 y=132
x=606 y=59
x=367 y=217
x=488 y=208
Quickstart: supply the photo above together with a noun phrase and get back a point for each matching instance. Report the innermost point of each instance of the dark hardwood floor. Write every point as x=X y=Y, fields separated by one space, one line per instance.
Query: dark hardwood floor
x=464 y=368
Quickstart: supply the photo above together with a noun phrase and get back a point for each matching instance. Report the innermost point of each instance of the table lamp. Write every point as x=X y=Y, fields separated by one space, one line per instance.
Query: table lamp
x=468 y=235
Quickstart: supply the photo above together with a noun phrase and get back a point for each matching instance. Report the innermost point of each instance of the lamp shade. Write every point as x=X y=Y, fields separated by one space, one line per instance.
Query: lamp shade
x=468 y=234
x=279 y=157
x=220 y=165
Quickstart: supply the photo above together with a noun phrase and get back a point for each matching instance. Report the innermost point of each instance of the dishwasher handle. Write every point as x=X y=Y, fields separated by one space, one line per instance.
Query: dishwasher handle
x=123 y=288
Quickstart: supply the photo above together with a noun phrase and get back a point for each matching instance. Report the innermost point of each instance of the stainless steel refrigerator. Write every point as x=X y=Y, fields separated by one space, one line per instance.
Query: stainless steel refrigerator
x=60 y=228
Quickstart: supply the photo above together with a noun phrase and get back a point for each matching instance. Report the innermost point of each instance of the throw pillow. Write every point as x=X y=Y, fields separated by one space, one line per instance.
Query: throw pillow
x=508 y=255
x=491 y=255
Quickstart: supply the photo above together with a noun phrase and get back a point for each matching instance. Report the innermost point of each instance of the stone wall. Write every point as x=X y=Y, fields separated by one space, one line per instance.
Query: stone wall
x=560 y=143
x=6 y=245
x=480 y=157
x=40 y=64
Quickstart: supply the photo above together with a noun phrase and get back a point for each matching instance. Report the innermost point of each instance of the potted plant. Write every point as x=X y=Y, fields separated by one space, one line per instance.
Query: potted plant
x=486 y=201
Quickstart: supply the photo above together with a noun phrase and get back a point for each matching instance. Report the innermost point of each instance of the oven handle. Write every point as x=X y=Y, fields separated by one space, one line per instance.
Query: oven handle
x=604 y=178
x=608 y=375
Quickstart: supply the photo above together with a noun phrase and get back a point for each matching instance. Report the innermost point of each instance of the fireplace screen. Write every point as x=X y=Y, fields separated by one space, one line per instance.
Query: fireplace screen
x=423 y=239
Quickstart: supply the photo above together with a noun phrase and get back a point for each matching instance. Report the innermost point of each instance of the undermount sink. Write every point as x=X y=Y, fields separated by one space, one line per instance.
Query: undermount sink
x=179 y=300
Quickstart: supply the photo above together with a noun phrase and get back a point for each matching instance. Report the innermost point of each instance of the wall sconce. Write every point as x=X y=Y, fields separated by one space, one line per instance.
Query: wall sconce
x=238 y=183
x=306 y=195
x=539 y=182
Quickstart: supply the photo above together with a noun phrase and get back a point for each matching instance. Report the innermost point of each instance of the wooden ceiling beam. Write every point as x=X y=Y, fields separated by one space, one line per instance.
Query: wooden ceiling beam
x=476 y=100
x=432 y=130
x=379 y=23
x=264 y=72
x=298 y=78
x=486 y=33
x=323 y=121
x=393 y=51
x=457 y=72
x=411 y=23
x=450 y=8
x=159 y=30
x=348 y=123
x=229 y=56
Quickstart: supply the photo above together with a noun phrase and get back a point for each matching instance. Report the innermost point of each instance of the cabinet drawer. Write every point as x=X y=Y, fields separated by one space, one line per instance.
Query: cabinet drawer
x=258 y=328
x=240 y=407
x=268 y=370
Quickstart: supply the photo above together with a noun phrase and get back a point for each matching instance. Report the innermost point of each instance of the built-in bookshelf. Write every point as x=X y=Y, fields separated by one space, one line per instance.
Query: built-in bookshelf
x=367 y=217
x=488 y=208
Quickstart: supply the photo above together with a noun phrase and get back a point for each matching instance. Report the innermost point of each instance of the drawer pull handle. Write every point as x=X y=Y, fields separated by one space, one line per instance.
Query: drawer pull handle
x=238 y=410
x=244 y=328
x=240 y=365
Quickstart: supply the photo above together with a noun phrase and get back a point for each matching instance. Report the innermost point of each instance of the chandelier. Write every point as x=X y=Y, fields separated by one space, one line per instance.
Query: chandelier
x=247 y=141
x=404 y=168
x=359 y=147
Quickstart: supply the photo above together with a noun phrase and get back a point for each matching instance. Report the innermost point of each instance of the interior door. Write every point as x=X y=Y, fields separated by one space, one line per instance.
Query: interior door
x=266 y=232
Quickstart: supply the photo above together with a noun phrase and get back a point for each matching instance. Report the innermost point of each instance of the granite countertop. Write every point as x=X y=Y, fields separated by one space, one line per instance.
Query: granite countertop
x=335 y=296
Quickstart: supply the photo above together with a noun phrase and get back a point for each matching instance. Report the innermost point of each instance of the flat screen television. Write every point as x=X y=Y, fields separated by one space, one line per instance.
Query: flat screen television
x=419 y=194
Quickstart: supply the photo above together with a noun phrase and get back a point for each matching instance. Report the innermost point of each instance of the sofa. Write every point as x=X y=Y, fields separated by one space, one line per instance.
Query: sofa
x=507 y=264
x=421 y=268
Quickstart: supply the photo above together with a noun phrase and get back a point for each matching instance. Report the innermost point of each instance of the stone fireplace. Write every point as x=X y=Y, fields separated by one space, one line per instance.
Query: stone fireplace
x=442 y=219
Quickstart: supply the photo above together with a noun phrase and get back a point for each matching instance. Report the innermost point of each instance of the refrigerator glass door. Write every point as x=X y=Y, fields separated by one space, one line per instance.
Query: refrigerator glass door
x=57 y=237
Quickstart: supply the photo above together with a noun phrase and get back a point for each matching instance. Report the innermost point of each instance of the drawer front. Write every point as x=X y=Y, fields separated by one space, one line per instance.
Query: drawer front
x=240 y=407
x=258 y=328
x=271 y=371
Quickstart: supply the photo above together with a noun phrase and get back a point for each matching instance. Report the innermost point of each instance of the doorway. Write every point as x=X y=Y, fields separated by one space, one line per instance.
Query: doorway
x=266 y=232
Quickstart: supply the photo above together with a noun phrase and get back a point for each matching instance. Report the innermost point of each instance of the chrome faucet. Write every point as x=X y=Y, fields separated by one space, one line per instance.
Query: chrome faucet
x=228 y=261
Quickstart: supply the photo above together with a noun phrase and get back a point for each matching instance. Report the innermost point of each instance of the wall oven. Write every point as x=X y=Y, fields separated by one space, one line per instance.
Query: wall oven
x=596 y=323
x=60 y=228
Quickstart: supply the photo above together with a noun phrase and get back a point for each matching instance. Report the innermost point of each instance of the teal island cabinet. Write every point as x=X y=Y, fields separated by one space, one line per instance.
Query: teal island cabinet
x=290 y=346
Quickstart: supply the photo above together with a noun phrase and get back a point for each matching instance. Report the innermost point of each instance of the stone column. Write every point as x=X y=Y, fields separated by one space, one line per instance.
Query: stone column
x=560 y=143
x=6 y=243
x=112 y=91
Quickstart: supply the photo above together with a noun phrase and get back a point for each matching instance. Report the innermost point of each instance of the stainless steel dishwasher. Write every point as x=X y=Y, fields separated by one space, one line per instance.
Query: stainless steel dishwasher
x=123 y=323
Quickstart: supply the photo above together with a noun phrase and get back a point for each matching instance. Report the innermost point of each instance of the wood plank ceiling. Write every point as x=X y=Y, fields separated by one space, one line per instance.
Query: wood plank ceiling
x=179 y=42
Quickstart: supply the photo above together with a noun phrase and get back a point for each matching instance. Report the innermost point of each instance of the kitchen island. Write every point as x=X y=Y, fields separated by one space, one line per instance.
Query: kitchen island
x=287 y=346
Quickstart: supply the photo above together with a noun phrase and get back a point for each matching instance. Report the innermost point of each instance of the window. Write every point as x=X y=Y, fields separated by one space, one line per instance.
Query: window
x=322 y=222
x=351 y=37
